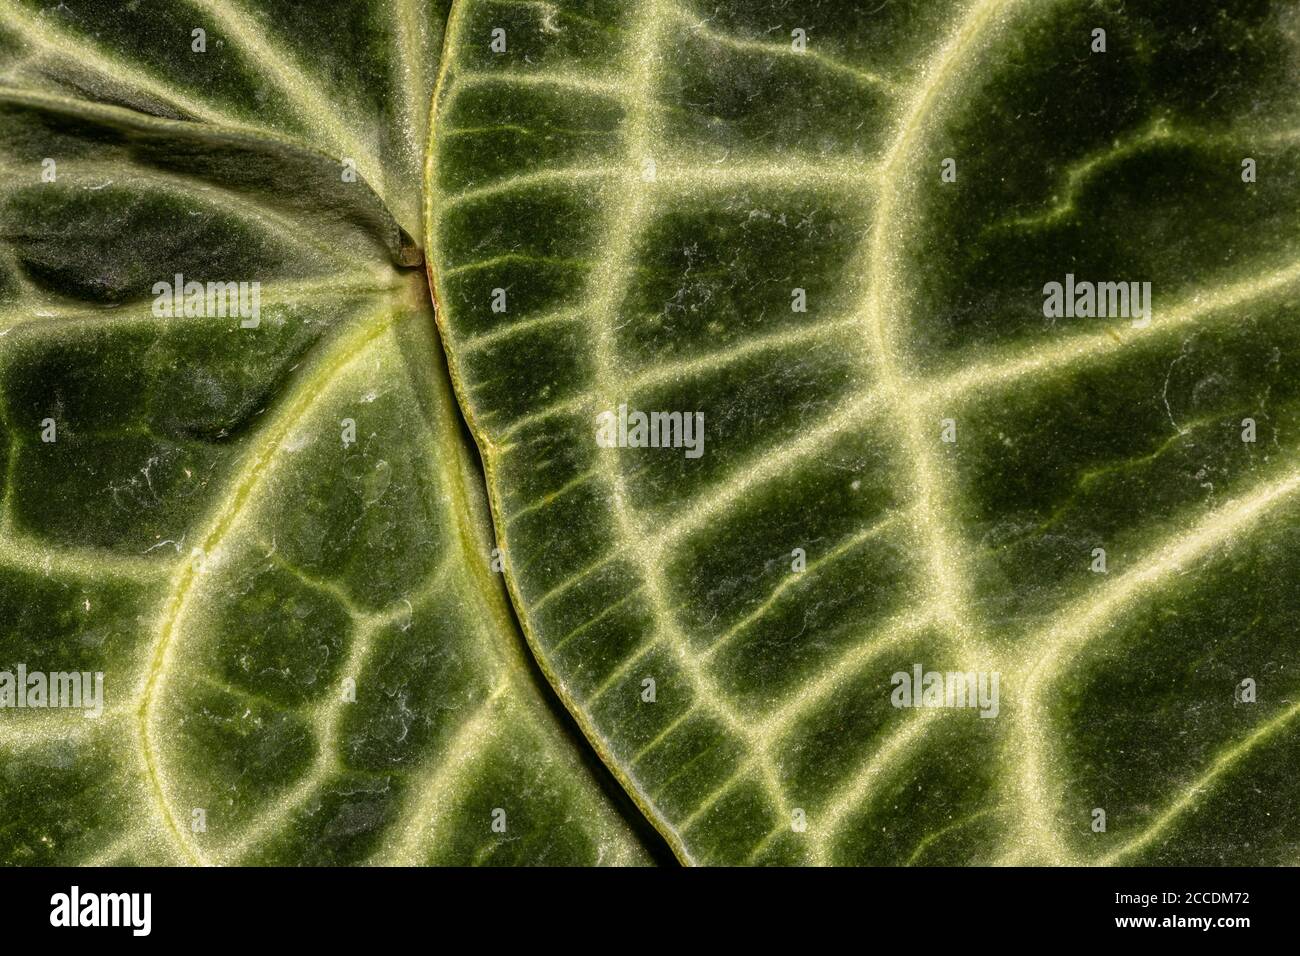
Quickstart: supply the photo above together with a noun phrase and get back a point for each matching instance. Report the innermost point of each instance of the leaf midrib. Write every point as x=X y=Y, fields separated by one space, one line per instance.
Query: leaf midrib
x=256 y=460
x=898 y=388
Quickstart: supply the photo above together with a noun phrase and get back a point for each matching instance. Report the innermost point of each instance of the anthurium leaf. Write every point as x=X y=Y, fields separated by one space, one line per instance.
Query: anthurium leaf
x=832 y=229
x=235 y=484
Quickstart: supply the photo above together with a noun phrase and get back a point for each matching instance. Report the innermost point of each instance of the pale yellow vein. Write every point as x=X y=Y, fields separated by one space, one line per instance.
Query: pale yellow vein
x=849 y=796
x=426 y=811
x=305 y=94
x=1079 y=351
x=800 y=579
x=23 y=552
x=832 y=678
x=185 y=580
x=768 y=464
x=1223 y=763
x=609 y=283
x=831 y=330
x=944 y=557
x=700 y=27
x=552 y=79
x=1085 y=620
x=40 y=31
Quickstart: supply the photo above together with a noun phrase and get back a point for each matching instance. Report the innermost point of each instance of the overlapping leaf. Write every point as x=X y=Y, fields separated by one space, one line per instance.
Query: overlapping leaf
x=265 y=532
x=630 y=204
x=624 y=202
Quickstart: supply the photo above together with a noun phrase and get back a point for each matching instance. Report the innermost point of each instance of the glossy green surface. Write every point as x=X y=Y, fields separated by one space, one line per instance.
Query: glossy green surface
x=271 y=540
x=650 y=182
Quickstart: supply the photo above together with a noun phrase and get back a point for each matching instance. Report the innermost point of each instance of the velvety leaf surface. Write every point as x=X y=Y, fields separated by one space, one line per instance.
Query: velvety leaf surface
x=629 y=203
x=266 y=532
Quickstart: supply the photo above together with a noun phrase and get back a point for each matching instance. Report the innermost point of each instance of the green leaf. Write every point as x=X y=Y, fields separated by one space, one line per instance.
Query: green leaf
x=266 y=531
x=649 y=185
